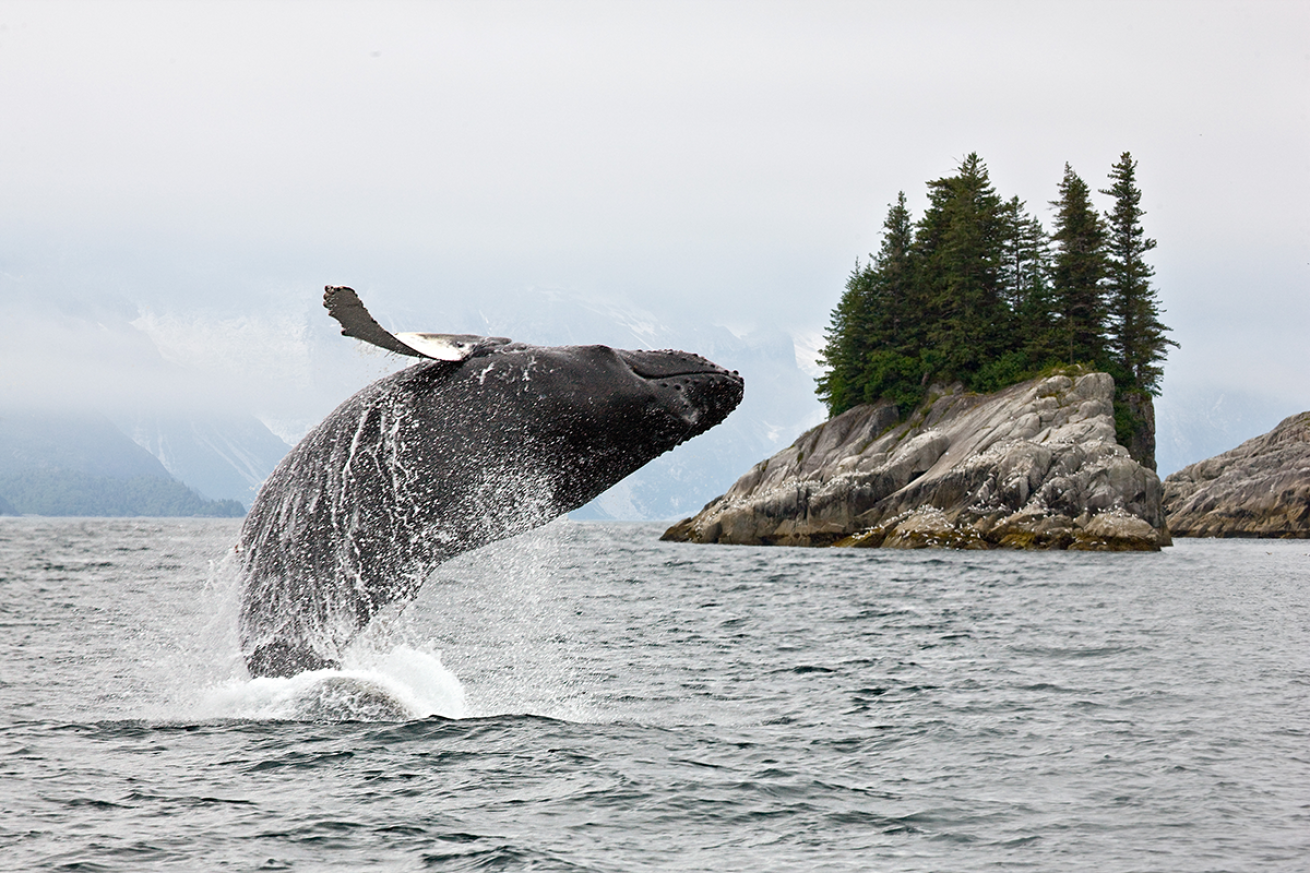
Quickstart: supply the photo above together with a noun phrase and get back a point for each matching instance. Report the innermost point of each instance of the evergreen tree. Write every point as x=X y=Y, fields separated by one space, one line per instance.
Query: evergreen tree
x=1079 y=269
x=960 y=247
x=895 y=272
x=839 y=387
x=1027 y=280
x=890 y=366
x=1139 y=340
x=873 y=326
x=1018 y=252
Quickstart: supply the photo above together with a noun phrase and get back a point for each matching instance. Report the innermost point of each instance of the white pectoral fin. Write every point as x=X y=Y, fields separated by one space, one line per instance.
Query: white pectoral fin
x=446 y=346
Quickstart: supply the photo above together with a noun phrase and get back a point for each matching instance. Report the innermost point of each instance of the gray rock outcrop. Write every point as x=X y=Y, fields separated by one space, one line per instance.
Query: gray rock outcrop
x=1259 y=489
x=1035 y=466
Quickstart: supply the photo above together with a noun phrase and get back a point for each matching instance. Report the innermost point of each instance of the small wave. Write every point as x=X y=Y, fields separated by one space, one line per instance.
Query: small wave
x=400 y=685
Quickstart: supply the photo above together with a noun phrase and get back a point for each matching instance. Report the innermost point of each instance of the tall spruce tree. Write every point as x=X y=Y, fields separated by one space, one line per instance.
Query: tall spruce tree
x=896 y=277
x=891 y=366
x=839 y=387
x=1027 y=280
x=873 y=333
x=1139 y=340
x=1019 y=253
x=960 y=249
x=1079 y=270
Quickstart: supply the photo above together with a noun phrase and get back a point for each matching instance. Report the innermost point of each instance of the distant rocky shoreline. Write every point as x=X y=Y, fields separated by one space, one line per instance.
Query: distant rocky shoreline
x=1034 y=466
x=1259 y=489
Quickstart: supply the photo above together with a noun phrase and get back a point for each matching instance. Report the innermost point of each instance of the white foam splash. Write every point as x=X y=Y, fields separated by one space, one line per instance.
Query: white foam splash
x=397 y=685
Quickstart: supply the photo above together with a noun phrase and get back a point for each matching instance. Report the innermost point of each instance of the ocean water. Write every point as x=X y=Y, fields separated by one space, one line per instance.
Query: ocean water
x=587 y=698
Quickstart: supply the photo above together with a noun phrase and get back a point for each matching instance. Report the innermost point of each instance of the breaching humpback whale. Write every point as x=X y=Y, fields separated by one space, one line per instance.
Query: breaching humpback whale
x=483 y=439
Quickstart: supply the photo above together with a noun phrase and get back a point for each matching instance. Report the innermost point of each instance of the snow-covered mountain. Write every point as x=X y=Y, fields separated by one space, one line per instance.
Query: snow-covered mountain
x=221 y=456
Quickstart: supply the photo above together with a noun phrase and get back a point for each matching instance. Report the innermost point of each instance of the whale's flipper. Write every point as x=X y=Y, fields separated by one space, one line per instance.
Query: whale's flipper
x=344 y=305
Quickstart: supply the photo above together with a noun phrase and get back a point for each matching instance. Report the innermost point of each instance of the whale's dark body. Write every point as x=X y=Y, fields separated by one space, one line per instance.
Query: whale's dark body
x=443 y=457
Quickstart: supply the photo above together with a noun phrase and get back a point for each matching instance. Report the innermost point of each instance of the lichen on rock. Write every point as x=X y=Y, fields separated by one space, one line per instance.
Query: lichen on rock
x=1035 y=466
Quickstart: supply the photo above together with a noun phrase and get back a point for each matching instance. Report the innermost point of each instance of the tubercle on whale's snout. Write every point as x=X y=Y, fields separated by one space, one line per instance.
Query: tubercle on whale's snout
x=707 y=398
x=725 y=384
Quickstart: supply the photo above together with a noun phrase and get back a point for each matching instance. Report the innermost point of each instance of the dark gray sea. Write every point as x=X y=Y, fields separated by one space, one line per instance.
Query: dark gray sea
x=587 y=698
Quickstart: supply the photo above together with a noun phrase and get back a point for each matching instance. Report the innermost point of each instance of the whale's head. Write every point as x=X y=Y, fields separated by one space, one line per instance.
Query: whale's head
x=582 y=417
x=658 y=397
x=696 y=392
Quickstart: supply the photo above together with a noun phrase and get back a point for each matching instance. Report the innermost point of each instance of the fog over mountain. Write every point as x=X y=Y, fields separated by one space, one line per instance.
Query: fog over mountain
x=218 y=396
x=80 y=464
x=220 y=456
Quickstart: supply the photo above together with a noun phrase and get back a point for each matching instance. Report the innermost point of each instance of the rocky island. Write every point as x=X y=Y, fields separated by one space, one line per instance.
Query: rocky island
x=1052 y=349
x=1034 y=466
x=1259 y=489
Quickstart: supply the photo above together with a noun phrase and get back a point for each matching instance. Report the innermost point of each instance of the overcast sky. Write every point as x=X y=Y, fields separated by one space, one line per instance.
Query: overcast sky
x=200 y=163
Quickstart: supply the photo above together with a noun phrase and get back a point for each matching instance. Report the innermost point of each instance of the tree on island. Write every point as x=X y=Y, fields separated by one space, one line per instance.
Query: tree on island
x=974 y=293
x=1026 y=279
x=1140 y=340
x=1079 y=270
x=959 y=245
x=875 y=335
